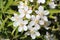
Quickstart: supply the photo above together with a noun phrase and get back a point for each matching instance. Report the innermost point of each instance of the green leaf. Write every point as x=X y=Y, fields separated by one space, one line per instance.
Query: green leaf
x=14 y=30
x=8 y=4
x=3 y=23
x=1 y=4
x=0 y=15
x=10 y=23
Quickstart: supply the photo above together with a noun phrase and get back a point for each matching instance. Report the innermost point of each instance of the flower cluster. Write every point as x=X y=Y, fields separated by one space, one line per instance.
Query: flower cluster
x=27 y=21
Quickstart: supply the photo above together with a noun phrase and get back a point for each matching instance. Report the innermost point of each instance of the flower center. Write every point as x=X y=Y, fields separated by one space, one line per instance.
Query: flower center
x=32 y=31
x=21 y=24
x=16 y=18
x=36 y=21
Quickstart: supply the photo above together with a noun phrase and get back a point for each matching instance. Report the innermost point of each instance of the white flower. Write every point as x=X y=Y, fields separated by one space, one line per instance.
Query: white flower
x=41 y=11
x=15 y=17
x=33 y=32
x=16 y=20
x=24 y=10
x=41 y=1
x=23 y=26
x=34 y=20
x=52 y=5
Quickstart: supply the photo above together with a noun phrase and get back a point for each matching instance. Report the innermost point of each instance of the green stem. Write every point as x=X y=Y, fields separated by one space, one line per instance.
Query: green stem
x=14 y=30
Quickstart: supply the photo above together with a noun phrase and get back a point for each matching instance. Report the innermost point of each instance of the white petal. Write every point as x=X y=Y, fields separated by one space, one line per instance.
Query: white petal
x=46 y=28
x=15 y=15
x=25 y=28
x=28 y=16
x=33 y=17
x=37 y=12
x=20 y=6
x=27 y=33
x=33 y=36
x=25 y=22
x=26 y=8
x=31 y=23
x=45 y=18
x=37 y=27
x=46 y=12
x=12 y=18
x=21 y=3
x=22 y=15
x=37 y=17
x=41 y=22
x=21 y=11
x=29 y=11
x=31 y=0
x=15 y=24
x=41 y=9
x=20 y=29
x=29 y=27
x=37 y=33
x=41 y=1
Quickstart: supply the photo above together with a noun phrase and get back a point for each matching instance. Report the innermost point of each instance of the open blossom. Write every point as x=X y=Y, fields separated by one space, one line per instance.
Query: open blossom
x=24 y=10
x=52 y=5
x=42 y=13
x=41 y=1
x=22 y=25
x=33 y=32
x=16 y=20
x=19 y=22
x=34 y=20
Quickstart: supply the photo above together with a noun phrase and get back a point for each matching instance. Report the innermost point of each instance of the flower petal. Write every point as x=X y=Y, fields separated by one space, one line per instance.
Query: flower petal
x=31 y=23
x=31 y=0
x=37 y=33
x=22 y=15
x=33 y=36
x=37 y=17
x=46 y=12
x=25 y=22
x=15 y=24
x=20 y=29
x=21 y=11
x=26 y=8
x=29 y=11
x=33 y=17
x=45 y=18
x=25 y=28
x=37 y=27
x=37 y=12
x=41 y=9
x=12 y=18
x=41 y=22
x=27 y=33
x=28 y=16
x=41 y=1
